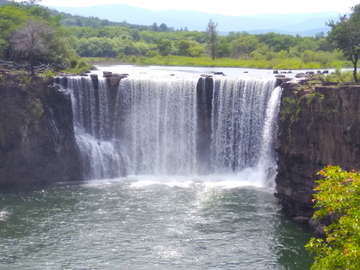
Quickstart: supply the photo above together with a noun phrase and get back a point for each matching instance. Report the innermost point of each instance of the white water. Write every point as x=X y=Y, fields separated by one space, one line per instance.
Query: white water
x=160 y=125
x=152 y=130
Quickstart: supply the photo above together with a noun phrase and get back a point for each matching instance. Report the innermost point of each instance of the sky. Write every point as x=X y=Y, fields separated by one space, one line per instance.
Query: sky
x=224 y=7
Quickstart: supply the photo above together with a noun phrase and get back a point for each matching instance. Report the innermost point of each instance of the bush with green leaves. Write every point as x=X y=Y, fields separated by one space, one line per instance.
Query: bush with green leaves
x=337 y=196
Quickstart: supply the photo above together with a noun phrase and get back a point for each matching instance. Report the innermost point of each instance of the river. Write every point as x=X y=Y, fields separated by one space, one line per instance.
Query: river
x=167 y=212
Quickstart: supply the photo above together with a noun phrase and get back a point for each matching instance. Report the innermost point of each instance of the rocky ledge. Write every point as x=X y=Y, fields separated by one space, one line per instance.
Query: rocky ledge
x=318 y=125
x=37 y=143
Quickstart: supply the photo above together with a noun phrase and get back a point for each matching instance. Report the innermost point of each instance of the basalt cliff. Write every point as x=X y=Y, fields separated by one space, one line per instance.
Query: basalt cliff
x=37 y=145
x=317 y=126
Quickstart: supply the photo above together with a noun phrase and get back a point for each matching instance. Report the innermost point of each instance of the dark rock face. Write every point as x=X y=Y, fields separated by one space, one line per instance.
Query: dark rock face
x=204 y=92
x=315 y=129
x=37 y=143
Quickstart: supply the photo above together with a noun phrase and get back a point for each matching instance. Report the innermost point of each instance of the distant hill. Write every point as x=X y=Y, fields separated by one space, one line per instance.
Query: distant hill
x=302 y=24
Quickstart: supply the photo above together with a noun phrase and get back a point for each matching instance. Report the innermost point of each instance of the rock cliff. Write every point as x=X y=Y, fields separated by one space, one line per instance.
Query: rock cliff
x=37 y=143
x=316 y=128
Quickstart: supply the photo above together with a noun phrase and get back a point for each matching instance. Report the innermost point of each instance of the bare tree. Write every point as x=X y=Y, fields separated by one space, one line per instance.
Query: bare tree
x=30 y=41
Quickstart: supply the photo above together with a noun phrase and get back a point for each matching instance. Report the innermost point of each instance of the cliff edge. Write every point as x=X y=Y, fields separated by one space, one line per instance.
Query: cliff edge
x=316 y=127
x=37 y=143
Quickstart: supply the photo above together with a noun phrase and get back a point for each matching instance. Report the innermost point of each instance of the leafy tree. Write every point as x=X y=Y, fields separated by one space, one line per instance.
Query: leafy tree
x=183 y=46
x=164 y=47
x=155 y=27
x=151 y=53
x=338 y=197
x=308 y=56
x=243 y=46
x=195 y=49
x=212 y=38
x=10 y=18
x=224 y=48
x=135 y=34
x=345 y=34
x=163 y=27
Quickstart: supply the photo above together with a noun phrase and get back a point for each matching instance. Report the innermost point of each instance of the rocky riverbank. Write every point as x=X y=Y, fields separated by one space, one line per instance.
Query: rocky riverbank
x=37 y=145
x=318 y=125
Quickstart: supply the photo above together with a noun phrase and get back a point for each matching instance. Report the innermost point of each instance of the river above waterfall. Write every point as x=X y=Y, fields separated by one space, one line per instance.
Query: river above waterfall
x=179 y=71
x=145 y=222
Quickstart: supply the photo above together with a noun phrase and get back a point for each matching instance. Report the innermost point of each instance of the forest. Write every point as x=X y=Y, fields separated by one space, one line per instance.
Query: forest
x=158 y=44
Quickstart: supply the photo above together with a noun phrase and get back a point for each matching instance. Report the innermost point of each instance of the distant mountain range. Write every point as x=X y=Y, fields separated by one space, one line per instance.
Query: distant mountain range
x=302 y=24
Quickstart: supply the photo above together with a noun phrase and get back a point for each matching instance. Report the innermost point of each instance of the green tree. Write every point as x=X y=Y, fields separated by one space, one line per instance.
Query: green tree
x=10 y=19
x=212 y=38
x=337 y=197
x=135 y=34
x=243 y=46
x=164 y=47
x=224 y=48
x=183 y=46
x=163 y=27
x=345 y=35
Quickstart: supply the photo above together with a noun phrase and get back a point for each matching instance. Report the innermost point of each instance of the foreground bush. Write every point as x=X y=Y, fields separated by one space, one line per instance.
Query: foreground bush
x=338 y=196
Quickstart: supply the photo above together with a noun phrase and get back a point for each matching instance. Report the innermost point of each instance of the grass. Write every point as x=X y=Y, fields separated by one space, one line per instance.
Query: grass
x=172 y=60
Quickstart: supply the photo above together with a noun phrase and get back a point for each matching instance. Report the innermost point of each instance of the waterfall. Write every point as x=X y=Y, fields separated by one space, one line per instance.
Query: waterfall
x=101 y=158
x=238 y=119
x=160 y=125
x=152 y=126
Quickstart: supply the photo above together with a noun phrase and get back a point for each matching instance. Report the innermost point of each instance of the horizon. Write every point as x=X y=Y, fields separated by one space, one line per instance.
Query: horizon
x=263 y=7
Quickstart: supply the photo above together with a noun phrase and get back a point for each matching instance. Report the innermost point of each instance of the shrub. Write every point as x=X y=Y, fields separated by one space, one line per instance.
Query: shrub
x=338 y=196
x=151 y=53
x=73 y=63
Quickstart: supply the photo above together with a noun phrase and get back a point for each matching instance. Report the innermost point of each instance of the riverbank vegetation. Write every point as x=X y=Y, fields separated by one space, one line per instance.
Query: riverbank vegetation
x=73 y=37
x=32 y=39
x=270 y=51
x=337 y=198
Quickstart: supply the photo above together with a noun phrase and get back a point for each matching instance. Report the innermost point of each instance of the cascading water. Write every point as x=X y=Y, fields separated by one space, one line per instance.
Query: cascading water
x=238 y=119
x=150 y=126
x=159 y=126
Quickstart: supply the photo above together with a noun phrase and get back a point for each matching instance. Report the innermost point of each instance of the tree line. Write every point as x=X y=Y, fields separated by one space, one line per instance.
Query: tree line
x=73 y=36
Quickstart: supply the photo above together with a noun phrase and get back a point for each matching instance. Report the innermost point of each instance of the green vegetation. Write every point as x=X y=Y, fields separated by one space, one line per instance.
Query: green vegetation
x=66 y=38
x=337 y=197
x=31 y=35
x=212 y=38
x=345 y=35
x=270 y=51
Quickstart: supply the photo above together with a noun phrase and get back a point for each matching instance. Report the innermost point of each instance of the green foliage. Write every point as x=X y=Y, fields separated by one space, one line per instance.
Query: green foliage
x=340 y=77
x=49 y=73
x=78 y=65
x=337 y=195
x=73 y=63
x=50 y=43
x=212 y=38
x=345 y=35
x=314 y=96
x=164 y=47
x=36 y=109
x=92 y=37
x=243 y=46
x=151 y=53
x=290 y=109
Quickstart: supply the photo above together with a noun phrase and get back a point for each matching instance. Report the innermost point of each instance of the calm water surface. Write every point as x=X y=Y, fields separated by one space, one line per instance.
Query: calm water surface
x=148 y=223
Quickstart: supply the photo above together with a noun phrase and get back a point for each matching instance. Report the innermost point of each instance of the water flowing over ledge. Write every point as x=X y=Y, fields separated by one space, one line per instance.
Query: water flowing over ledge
x=176 y=126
